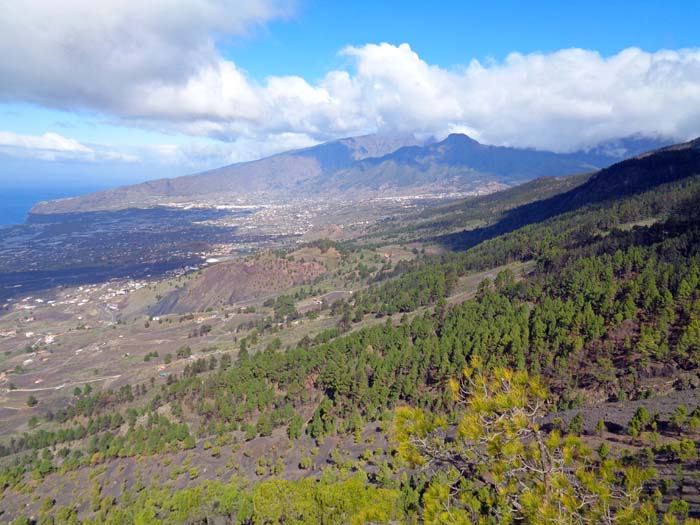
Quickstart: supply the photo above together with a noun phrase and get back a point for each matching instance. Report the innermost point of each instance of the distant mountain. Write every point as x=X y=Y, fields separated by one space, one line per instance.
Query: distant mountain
x=459 y=161
x=356 y=167
x=631 y=146
x=628 y=177
x=270 y=178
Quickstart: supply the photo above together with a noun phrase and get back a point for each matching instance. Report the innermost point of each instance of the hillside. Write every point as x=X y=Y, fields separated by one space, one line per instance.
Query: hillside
x=577 y=318
x=628 y=177
x=473 y=212
x=353 y=168
x=239 y=281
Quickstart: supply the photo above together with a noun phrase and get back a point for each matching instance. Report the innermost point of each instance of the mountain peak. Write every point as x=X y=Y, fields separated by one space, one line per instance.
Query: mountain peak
x=354 y=166
x=629 y=146
x=377 y=144
x=459 y=139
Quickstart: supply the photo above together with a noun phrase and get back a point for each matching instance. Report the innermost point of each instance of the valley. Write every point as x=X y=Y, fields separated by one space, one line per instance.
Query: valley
x=92 y=247
x=287 y=346
x=285 y=262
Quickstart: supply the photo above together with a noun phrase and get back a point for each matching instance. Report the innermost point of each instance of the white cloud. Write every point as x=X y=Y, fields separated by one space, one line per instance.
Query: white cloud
x=155 y=65
x=48 y=141
x=200 y=155
x=190 y=156
x=562 y=100
x=52 y=146
x=106 y=54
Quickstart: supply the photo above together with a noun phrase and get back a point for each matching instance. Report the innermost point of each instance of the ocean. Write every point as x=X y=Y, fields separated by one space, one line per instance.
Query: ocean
x=15 y=202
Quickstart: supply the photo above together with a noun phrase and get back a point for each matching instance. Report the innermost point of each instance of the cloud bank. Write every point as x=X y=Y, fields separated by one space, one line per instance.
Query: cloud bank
x=156 y=65
x=52 y=146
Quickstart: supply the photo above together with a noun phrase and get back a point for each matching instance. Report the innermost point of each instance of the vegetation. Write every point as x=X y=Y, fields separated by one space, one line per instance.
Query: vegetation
x=502 y=468
x=609 y=302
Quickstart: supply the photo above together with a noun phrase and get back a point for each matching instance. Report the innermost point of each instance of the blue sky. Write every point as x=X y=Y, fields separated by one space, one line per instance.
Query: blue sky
x=451 y=33
x=119 y=91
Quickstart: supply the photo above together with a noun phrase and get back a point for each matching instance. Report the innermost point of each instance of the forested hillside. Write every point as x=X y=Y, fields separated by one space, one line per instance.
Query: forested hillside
x=609 y=312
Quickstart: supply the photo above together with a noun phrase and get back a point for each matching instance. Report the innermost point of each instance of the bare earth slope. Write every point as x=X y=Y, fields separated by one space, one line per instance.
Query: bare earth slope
x=237 y=281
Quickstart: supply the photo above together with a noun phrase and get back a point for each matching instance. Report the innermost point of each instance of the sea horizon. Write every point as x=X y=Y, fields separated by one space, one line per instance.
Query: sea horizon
x=18 y=199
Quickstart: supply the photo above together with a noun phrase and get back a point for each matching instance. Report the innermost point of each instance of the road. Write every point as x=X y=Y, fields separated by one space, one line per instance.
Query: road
x=63 y=385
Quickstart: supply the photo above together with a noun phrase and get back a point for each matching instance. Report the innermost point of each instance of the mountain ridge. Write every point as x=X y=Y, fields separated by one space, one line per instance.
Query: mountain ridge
x=348 y=168
x=273 y=368
x=628 y=177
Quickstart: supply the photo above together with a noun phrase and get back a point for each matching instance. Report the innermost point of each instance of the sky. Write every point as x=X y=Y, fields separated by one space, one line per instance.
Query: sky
x=118 y=91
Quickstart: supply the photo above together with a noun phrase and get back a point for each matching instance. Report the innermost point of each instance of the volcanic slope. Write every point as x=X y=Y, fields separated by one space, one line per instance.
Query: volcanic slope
x=606 y=313
x=353 y=168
